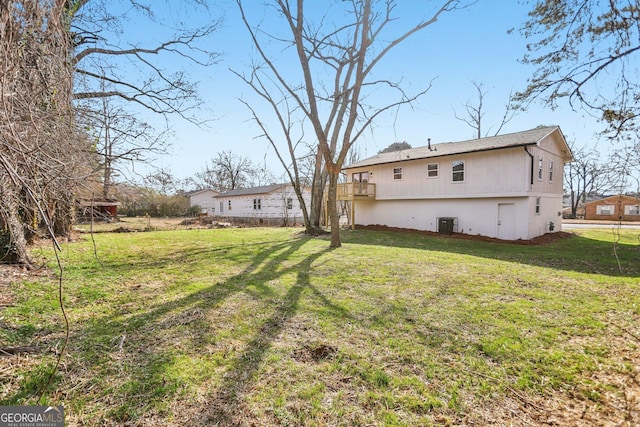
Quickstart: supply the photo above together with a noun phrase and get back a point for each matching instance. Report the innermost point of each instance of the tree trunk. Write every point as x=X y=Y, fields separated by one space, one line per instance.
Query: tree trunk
x=334 y=219
x=317 y=195
x=12 y=239
x=63 y=217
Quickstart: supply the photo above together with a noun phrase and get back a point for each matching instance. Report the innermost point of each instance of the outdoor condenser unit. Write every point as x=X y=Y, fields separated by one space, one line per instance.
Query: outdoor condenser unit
x=447 y=225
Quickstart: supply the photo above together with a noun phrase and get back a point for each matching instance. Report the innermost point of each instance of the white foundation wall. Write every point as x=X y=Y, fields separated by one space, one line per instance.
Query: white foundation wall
x=474 y=216
x=550 y=212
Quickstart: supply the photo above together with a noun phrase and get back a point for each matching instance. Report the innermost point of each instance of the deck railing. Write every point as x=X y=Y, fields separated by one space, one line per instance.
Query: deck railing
x=351 y=190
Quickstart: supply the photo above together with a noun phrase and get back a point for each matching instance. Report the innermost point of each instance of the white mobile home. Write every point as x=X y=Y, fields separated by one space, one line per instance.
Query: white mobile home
x=275 y=204
x=507 y=186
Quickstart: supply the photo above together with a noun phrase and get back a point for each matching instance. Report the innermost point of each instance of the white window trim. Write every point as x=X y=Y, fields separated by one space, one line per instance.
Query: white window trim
x=538 y=208
x=464 y=171
x=612 y=210
x=437 y=170
x=540 y=168
x=627 y=210
x=401 y=173
x=551 y=170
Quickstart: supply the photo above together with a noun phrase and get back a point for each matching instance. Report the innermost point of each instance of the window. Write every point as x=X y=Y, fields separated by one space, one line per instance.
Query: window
x=632 y=210
x=540 y=168
x=457 y=168
x=605 y=209
x=537 y=205
x=432 y=170
x=257 y=204
x=289 y=203
x=360 y=177
x=360 y=180
x=550 y=170
x=397 y=173
x=221 y=207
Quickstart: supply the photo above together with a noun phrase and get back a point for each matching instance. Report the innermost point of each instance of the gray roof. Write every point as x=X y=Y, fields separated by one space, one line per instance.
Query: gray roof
x=193 y=193
x=253 y=190
x=518 y=139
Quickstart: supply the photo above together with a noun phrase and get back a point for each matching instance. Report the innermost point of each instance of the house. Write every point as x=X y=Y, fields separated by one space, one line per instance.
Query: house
x=275 y=204
x=507 y=186
x=205 y=199
x=614 y=208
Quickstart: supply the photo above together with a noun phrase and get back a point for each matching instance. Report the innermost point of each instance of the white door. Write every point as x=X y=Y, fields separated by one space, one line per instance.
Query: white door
x=506 y=221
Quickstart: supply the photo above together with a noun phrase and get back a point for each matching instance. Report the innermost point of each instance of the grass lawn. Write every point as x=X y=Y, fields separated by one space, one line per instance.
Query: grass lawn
x=264 y=326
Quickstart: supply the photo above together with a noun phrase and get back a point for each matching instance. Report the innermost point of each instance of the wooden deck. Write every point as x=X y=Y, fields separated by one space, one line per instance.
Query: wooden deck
x=356 y=190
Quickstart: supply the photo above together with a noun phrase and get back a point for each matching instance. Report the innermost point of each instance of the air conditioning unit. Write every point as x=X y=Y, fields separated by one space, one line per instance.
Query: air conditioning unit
x=447 y=225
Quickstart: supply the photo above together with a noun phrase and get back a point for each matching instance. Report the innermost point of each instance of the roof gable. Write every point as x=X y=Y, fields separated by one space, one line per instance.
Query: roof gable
x=518 y=139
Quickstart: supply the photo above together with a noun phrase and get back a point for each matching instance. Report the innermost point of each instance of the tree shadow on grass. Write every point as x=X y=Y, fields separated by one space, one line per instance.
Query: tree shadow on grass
x=225 y=407
x=143 y=355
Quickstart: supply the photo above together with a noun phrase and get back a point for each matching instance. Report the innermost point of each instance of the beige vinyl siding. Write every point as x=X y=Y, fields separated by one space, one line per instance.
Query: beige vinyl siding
x=489 y=173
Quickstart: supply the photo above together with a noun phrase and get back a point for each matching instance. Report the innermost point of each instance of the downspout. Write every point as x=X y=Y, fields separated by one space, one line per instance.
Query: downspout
x=532 y=160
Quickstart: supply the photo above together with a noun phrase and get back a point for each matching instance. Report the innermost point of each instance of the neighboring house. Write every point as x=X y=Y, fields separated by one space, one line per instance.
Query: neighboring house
x=507 y=186
x=614 y=208
x=275 y=204
x=205 y=199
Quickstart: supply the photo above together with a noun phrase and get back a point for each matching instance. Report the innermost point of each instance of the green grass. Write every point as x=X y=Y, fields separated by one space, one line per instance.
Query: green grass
x=266 y=326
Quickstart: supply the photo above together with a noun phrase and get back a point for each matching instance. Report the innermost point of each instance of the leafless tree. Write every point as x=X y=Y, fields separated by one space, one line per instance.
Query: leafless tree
x=475 y=113
x=336 y=53
x=229 y=171
x=41 y=153
x=586 y=51
x=625 y=165
x=44 y=45
x=122 y=141
x=585 y=176
x=396 y=146
x=103 y=63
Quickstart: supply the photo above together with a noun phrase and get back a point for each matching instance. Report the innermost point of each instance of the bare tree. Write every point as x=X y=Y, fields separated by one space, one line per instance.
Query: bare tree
x=43 y=46
x=161 y=181
x=585 y=176
x=227 y=171
x=117 y=76
x=625 y=165
x=103 y=64
x=396 y=146
x=475 y=113
x=41 y=153
x=586 y=51
x=336 y=54
x=122 y=141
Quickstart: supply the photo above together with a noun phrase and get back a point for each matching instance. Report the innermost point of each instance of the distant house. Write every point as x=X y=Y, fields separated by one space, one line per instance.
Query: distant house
x=620 y=207
x=205 y=199
x=275 y=204
x=507 y=186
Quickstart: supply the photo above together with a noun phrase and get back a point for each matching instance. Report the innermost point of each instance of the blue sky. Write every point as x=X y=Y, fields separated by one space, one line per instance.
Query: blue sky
x=463 y=46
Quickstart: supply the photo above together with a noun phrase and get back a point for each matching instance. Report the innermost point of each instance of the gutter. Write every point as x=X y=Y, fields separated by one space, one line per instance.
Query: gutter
x=532 y=161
